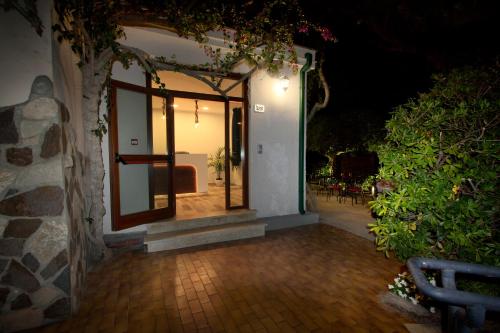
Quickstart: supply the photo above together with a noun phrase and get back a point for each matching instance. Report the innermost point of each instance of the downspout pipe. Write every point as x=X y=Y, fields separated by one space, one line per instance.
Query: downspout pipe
x=302 y=118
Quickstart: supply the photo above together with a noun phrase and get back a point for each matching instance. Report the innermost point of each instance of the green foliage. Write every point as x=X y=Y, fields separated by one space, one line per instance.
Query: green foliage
x=442 y=154
x=217 y=161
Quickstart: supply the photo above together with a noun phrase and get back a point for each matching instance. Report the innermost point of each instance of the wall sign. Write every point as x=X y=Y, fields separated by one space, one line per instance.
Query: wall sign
x=259 y=108
x=134 y=142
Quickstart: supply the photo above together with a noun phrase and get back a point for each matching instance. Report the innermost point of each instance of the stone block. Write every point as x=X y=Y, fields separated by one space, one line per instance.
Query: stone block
x=22 y=228
x=8 y=130
x=55 y=265
x=4 y=292
x=51 y=145
x=22 y=301
x=47 y=172
x=63 y=281
x=45 y=296
x=21 y=319
x=31 y=128
x=11 y=247
x=50 y=239
x=64 y=113
x=42 y=201
x=20 y=156
x=42 y=108
x=59 y=309
x=42 y=87
x=3 y=264
x=19 y=277
x=6 y=179
x=31 y=262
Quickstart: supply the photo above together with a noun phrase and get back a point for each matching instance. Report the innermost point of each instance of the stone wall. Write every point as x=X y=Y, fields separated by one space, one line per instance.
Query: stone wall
x=42 y=242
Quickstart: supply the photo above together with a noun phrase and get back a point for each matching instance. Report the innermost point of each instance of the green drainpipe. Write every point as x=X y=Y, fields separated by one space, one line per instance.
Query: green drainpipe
x=302 y=117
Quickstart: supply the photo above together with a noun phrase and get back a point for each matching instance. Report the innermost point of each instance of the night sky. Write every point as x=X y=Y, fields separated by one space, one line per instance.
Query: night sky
x=386 y=53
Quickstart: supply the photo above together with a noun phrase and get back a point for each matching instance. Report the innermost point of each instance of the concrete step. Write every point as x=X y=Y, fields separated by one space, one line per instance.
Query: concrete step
x=187 y=223
x=203 y=236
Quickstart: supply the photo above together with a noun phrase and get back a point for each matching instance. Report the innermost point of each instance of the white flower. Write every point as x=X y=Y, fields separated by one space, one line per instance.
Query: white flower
x=432 y=309
x=407 y=290
x=404 y=283
x=390 y=286
x=413 y=300
x=433 y=282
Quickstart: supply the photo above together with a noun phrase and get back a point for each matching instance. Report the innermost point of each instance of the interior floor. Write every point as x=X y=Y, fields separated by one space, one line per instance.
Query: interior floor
x=205 y=204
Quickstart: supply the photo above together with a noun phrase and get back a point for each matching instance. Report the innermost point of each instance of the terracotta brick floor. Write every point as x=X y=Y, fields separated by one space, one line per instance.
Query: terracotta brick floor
x=309 y=279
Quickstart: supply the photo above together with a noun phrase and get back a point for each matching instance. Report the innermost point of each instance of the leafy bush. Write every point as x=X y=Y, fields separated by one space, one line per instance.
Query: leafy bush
x=442 y=156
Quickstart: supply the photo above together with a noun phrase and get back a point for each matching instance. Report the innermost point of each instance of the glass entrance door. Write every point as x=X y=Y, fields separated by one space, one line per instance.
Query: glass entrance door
x=141 y=128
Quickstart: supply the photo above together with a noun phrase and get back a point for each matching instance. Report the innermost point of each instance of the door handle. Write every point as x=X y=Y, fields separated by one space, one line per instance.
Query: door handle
x=119 y=159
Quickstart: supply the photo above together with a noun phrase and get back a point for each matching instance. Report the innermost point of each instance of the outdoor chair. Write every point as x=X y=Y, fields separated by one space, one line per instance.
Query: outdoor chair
x=354 y=192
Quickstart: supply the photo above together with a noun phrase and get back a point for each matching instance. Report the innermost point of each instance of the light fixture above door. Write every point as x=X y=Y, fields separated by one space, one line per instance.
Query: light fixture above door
x=164 y=110
x=196 y=120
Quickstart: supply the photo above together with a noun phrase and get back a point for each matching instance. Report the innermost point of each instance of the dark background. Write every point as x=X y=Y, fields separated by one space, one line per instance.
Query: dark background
x=385 y=54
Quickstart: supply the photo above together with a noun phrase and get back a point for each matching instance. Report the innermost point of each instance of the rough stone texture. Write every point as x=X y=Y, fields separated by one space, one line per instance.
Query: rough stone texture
x=11 y=192
x=6 y=179
x=55 y=264
x=22 y=228
x=22 y=301
x=31 y=128
x=21 y=319
x=47 y=172
x=19 y=277
x=50 y=239
x=51 y=142
x=64 y=113
x=63 y=282
x=8 y=130
x=11 y=247
x=30 y=261
x=45 y=296
x=415 y=311
x=4 y=292
x=3 y=264
x=20 y=156
x=3 y=225
x=42 y=87
x=41 y=109
x=42 y=201
x=59 y=309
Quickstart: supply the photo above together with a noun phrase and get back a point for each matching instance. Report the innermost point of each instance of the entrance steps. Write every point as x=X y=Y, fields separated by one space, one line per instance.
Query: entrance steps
x=187 y=232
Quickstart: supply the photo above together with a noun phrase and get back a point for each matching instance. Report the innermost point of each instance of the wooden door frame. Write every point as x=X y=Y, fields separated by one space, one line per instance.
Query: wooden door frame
x=139 y=218
x=119 y=221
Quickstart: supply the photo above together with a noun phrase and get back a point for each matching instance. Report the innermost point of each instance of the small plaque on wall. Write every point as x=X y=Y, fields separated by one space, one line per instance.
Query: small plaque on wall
x=259 y=108
x=134 y=142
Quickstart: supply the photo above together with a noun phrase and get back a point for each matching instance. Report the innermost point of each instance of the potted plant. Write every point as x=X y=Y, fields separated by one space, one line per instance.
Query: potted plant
x=217 y=162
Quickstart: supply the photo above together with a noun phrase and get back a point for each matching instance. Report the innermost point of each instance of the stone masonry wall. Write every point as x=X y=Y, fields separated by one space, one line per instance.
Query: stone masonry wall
x=42 y=249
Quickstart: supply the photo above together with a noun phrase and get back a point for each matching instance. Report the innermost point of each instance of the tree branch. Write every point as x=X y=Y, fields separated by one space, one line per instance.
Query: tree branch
x=320 y=105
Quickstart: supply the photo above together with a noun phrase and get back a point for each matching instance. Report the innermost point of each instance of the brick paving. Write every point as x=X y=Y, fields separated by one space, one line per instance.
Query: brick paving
x=309 y=279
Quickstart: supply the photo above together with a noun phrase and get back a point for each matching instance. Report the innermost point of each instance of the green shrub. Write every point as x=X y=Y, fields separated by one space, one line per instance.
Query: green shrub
x=442 y=157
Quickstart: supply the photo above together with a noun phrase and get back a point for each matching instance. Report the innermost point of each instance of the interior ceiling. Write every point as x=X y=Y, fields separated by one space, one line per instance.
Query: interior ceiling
x=188 y=105
x=182 y=82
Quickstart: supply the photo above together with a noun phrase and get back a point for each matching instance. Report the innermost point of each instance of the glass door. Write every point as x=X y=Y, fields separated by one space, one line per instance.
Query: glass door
x=236 y=158
x=141 y=159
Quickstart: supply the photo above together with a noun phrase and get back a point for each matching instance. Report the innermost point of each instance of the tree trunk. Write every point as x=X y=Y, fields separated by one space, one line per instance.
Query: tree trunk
x=94 y=166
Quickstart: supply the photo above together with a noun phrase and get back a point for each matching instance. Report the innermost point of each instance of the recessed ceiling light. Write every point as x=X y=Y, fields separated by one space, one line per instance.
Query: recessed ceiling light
x=205 y=108
x=175 y=105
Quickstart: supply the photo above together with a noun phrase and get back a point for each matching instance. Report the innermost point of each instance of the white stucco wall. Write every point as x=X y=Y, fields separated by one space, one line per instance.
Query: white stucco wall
x=24 y=55
x=273 y=174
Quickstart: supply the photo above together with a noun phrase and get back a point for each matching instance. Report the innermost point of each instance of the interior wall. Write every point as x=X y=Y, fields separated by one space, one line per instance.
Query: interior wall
x=24 y=55
x=202 y=140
